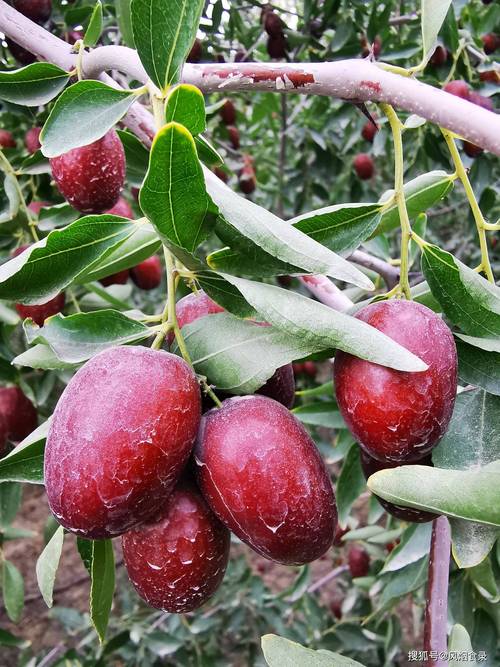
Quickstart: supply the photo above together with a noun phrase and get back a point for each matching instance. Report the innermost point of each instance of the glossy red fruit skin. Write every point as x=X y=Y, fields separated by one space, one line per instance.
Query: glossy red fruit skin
x=22 y=55
x=6 y=139
x=234 y=137
x=91 y=177
x=471 y=149
x=120 y=436
x=358 y=561
x=458 y=88
x=32 y=139
x=42 y=311
x=369 y=131
x=280 y=386
x=364 y=167
x=228 y=113
x=371 y=466
x=220 y=173
x=264 y=478
x=439 y=57
x=178 y=561
x=147 y=274
x=194 y=56
x=36 y=10
x=119 y=278
x=122 y=208
x=490 y=43
x=18 y=412
x=394 y=415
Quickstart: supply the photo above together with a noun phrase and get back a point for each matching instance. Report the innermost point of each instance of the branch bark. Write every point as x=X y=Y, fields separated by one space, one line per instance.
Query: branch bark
x=354 y=80
x=389 y=273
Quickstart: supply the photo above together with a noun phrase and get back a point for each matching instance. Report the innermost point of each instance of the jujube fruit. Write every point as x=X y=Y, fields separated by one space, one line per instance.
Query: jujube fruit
x=375 y=47
x=39 y=313
x=147 y=274
x=234 y=136
x=246 y=178
x=493 y=76
x=264 y=478
x=119 y=278
x=490 y=43
x=120 y=436
x=220 y=173
x=481 y=100
x=471 y=149
x=21 y=54
x=228 y=113
x=194 y=56
x=178 y=560
x=121 y=208
x=369 y=131
x=32 y=139
x=364 y=167
x=277 y=46
x=358 y=561
x=18 y=412
x=439 y=57
x=273 y=25
x=458 y=88
x=6 y=139
x=280 y=386
x=371 y=466
x=91 y=177
x=36 y=10
x=395 y=415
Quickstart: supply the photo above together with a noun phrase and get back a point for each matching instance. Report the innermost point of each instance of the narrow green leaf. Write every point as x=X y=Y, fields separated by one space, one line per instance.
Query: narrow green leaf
x=25 y=462
x=94 y=27
x=82 y=114
x=33 y=85
x=186 y=105
x=164 y=34
x=59 y=215
x=350 y=484
x=225 y=294
x=86 y=551
x=281 y=652
x=321 y=413
x=479 y=362
x=8 y=639
x=404 y=581
x=415 y=544
x=103 y=585
x=10 y=500
x=41 y=357
x=433 y=14
x=460 y=643
x=47 y=564
x=173 y=195
x=124 y=18
x=318 y=326
x=13 y=590
x=136 y=156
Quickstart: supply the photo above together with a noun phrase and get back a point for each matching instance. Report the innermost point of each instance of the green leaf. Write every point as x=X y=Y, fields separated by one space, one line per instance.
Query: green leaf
x=322 y=413
x=25 y=462
x=479 y=362
x=41 y=357
x=10 y=500
x=404 y=581
x=94 y=27
x=41 y=272
x=59 y=215
x=124 y=18
x=460 y=641
x=164 y=34
x=47 y=564
x=281 y=652
x=11 y=191
x=8 y=639
x=341 y=228
x=173 y=195
x=277 y=238
x=85 y=549
x=225 y=294
x=186 y=105
x=435 y=490
x=350 y=484
x=103 y=585
x=13 y=590
x=34 y=85
x=420 y=193
x=206 y=152
x=78 y=337
x=433 y=14
x=467 y=299
x=314 y=324
x=415 y=544
x=82 y=114
x=136 y=156
x=483 y=578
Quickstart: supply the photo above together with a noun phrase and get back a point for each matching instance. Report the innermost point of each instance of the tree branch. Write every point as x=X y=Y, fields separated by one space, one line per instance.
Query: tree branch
x=389 y=273
x=354 y=80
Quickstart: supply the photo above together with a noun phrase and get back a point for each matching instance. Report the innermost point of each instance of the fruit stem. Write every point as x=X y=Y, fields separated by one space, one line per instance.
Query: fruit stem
x=485 y=265
x=209 y=392
x=9 y=171
x=404 y=284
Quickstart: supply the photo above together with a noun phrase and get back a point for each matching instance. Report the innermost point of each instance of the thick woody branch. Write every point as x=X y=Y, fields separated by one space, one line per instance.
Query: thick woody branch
x=354 y=80
x=389 y=273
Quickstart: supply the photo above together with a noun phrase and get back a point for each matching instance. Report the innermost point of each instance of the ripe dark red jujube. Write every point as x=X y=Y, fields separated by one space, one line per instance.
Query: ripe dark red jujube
x=119 y=439
x=471 y=149
x=490 y=42
x=363 y=165
x=228 y=113
x=22 y=55
x=119 y=278
x=220 y=173
x=36 y=10
x=369 y=131
x=121 y=208
x=439 y=57
x=6 y=139
x=39 y=313
x=194 y=56
x=91 y=177
x=358 y=561
x=395 y=415
x=18 y=412
x=264 y=478
x=246 y=178
x=234 y=136
x=177 y=561
x=32 y=139
x=147 y=274
x=458 y=88
x=277 y=46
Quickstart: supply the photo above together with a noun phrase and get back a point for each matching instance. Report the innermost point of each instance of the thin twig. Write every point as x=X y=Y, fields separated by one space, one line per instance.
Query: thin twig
x=327 y=578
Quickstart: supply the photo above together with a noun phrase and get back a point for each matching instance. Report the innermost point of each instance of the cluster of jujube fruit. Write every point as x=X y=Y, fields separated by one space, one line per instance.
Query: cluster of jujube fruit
x=246 y=176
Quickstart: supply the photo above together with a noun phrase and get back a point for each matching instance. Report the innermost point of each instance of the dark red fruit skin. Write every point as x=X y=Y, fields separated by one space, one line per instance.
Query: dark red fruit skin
x=194 y=55
x=74 y=36
x=36 y=10
x=394 y=415
x=42 y=311
x=122 y=208
x=234 y=136
x=280 y=386
x=336 y=608
x=147 y=274
x=491 y=75
x=364 y=167
x=273 y=25
x=119 y=278
x=369 y=131
x=458 y=88
x=490 y=43
x=178 y=561
x=359 y=562
x=471 y=149
x=371 y=466
x=220 y=173
x=22 y=55
x=481 y=100
x=6 y=139
x=120 y=436
x=439 y=57
x=375 y=47
x=277 y=47
x=32 y=139
x=246 y=179
x=240 y=56
x=18 y=412
x=310 y=368
x=228 y=113
x=91 y=177
x=264 y=478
